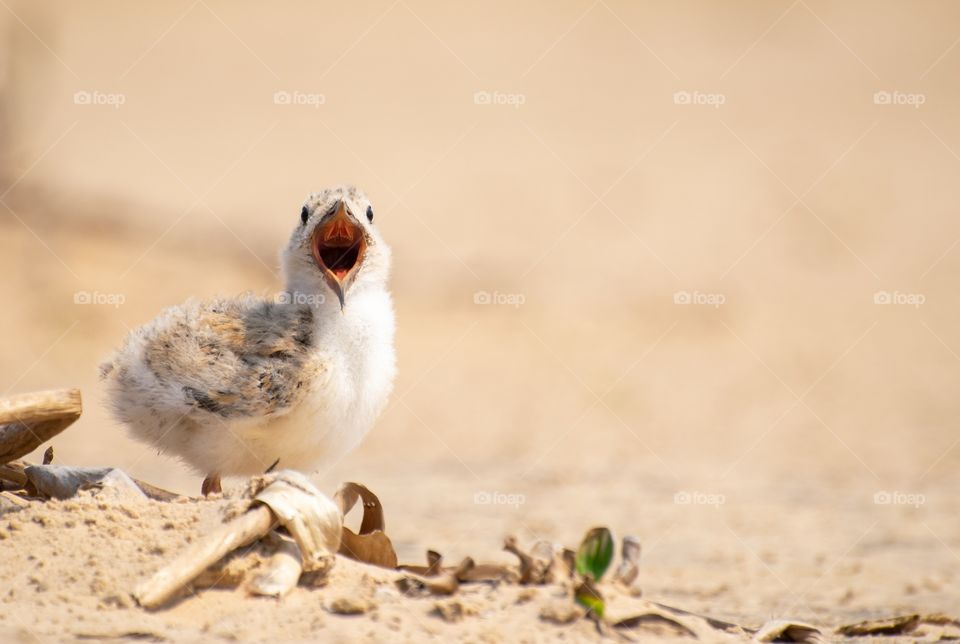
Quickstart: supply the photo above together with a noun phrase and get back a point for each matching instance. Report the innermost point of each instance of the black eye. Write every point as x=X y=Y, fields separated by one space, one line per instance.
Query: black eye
x=370 y=214
x=304 y=215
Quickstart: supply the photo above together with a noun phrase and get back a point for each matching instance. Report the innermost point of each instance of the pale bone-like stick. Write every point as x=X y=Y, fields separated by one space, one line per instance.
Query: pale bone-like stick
x=285 y=497
x=243 y=530
x=281 y=571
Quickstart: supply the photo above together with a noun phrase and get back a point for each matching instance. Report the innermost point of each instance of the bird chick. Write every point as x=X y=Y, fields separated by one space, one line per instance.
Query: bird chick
x=234 y=386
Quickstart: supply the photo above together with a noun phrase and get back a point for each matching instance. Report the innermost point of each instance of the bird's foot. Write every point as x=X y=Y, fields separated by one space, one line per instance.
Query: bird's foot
x=211 y=485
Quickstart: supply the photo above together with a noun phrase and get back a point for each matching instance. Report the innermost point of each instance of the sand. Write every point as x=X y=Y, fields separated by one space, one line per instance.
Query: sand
x=788 y=453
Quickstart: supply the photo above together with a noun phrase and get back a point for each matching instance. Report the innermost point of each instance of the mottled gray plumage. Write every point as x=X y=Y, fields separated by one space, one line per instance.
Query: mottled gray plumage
x=232 y=385
x=232 y=358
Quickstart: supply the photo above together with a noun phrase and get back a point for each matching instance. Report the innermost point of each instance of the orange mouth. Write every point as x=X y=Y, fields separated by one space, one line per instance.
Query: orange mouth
x=338 y=248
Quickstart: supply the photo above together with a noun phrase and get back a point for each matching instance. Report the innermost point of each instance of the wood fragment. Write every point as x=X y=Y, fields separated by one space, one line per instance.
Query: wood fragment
x=526 y=561
x=27 y=421
x=280 y=573
x=156 y=493
x=15 y=500
x=243 y=530
x=14 y=474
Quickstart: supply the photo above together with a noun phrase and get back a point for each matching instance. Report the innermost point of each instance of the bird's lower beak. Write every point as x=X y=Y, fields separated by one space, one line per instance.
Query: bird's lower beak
x=339 y=245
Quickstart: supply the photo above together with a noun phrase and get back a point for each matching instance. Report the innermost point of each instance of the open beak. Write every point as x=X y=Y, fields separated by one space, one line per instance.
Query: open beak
x=338 y=246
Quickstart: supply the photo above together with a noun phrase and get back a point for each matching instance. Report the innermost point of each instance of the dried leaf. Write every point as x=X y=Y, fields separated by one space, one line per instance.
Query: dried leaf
x=713 y=623
x=786 y=631
x=595 y=553
x=888 y=626
x=347 y=496
x=526 y=561
x=433 y=568
x=371 y=545
x=445 y=584
x=655 y=625
x=629 y=567
x=487 y=573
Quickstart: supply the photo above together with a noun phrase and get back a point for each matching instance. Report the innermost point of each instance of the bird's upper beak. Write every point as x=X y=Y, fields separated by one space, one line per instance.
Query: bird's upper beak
x=338 y=245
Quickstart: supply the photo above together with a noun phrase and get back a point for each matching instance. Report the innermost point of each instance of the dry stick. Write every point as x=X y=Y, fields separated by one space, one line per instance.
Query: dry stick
x=249 y=527
x=29 y=420
x=40 y=406
x=13 y=473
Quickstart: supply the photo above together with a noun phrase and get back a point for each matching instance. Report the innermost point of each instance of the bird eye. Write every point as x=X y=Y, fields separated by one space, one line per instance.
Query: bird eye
x=370 y=214
x=304 y=215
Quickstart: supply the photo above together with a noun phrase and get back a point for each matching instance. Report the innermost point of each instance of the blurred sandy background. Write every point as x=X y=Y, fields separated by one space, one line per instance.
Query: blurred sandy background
x=601 y=162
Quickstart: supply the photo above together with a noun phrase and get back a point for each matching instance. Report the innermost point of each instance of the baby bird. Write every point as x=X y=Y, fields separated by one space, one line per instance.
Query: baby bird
x=235 y=386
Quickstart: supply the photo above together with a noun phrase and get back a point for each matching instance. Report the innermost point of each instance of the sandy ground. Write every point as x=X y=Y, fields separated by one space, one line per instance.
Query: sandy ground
x=783 y=446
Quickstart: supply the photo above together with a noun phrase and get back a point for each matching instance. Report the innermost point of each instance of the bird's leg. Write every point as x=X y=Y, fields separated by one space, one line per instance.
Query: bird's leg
x=211 y=484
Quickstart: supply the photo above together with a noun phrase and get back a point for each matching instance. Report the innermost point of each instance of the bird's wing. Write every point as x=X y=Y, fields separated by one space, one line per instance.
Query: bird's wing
x=238 y=358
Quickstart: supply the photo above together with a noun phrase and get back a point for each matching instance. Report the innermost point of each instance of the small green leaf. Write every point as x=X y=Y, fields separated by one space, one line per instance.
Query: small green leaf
x=588 y=596
x=595 y=553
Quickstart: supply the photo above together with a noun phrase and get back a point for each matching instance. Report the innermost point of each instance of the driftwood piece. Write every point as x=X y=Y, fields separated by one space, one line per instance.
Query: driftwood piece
x=156 y=493
x=280 y=573
x=15 y=476
x=287 y=498
x=14 y=473
x=64 y=481
x=27 y=421
x=243 y=530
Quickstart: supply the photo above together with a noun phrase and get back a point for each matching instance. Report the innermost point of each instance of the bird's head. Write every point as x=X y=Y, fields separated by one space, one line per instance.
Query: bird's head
x=335 y=248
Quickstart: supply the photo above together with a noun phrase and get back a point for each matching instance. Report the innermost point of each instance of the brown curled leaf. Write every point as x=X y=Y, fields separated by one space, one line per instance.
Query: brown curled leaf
x=876 y=627
x=526 y=561
x=433 y=568
x=347 y=496
x=371 y=545
x=654 y=625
